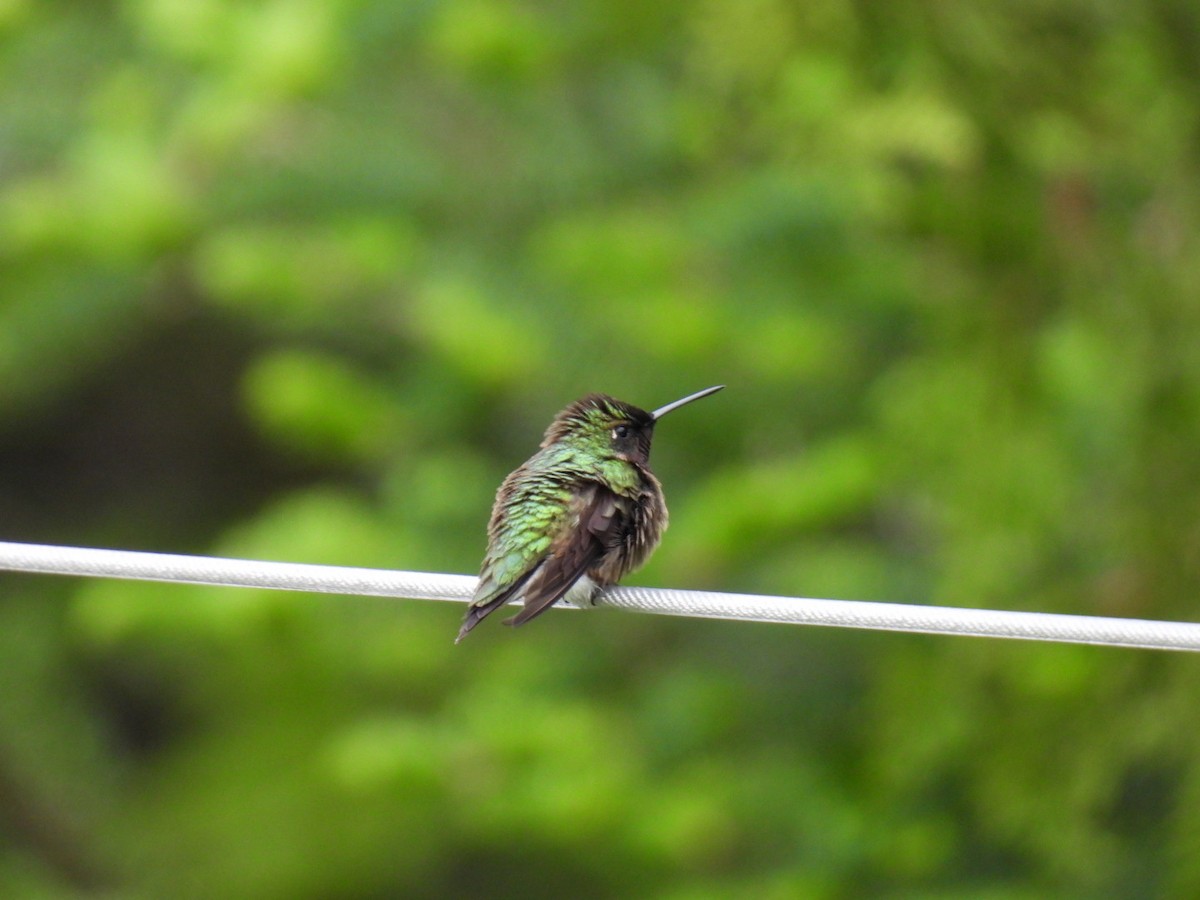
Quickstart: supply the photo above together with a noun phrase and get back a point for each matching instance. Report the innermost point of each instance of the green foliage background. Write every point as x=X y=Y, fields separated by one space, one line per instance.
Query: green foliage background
x=303 y=279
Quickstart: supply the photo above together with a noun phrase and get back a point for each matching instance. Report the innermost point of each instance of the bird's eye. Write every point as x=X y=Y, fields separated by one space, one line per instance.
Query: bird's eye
x=621 y=431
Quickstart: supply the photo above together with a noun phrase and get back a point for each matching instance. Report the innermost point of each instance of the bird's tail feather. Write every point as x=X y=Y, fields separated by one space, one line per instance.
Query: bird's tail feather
x=476 y=614
x=477 y=611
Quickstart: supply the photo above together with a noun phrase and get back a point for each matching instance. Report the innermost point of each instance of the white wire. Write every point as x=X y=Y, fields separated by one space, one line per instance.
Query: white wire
x=79 y=561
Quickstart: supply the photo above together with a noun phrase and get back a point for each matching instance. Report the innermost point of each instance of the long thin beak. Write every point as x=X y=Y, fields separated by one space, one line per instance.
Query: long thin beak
x=663 y=410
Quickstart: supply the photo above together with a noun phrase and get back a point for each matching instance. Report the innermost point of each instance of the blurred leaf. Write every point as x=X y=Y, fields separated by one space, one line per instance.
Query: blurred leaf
x=320 y=406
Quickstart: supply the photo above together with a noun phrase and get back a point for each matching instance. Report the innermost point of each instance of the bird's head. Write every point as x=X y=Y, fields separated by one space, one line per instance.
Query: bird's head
x=604 y=426
x=612 y=428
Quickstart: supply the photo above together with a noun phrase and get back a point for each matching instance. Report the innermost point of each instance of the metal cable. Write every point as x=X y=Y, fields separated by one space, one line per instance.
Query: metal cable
x=1032 y=626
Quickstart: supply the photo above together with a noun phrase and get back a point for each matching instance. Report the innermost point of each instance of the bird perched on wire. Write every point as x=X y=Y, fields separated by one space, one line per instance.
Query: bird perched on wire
x=578 y=515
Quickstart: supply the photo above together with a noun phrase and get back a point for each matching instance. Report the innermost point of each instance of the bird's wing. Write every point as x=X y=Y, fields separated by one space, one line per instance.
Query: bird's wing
x=528 y=513
x=576 y=550
x=530 y=520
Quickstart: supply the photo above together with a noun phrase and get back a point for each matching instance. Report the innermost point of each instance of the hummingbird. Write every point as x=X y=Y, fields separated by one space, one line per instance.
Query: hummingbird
x=578 y=515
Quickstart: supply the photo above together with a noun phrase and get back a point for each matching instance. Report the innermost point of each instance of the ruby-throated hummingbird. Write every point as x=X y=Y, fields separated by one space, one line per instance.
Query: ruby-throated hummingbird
x=579 y=515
